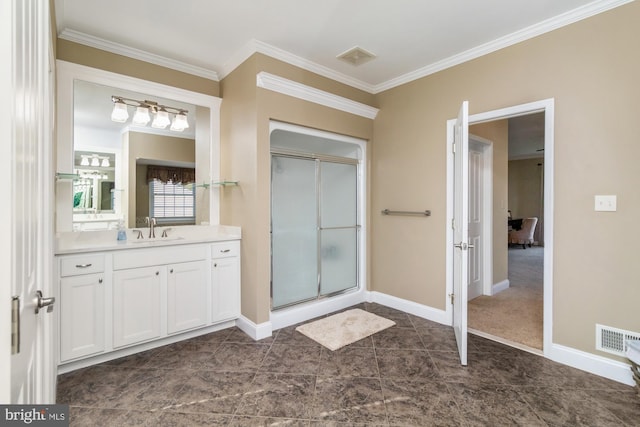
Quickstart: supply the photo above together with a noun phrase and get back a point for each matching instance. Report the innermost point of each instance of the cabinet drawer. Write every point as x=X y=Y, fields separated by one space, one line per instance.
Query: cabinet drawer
x=225 y=249
x=158 y=256
x=85 y=264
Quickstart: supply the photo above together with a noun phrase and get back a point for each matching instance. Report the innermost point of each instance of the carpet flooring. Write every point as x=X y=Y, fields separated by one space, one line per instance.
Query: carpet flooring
x=516 y=313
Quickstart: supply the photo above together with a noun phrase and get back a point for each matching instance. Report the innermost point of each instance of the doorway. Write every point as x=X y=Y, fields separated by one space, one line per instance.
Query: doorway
x=513 y=310
x=316 y=216
x=546 y=107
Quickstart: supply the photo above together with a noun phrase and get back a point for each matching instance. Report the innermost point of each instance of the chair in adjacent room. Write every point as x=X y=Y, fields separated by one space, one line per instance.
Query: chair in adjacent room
x=524 y=236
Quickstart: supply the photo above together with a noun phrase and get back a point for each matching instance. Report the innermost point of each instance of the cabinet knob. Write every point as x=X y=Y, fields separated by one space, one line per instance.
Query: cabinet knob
x=100 y=280
x=157 y=273
x=171 y=271
x=215 y=265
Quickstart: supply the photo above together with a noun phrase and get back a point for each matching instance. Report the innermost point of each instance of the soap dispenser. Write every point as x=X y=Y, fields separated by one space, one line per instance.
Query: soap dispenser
x=122 y=232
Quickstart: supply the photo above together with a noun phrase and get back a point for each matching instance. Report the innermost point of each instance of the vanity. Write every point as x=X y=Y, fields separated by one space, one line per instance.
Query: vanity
x=113 y=171
x=118 y=298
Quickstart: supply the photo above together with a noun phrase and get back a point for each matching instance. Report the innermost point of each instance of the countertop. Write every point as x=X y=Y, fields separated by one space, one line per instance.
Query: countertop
x=99 y=241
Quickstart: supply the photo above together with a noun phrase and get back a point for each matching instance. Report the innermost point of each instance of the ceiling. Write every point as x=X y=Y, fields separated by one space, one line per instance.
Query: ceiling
x=410 y=38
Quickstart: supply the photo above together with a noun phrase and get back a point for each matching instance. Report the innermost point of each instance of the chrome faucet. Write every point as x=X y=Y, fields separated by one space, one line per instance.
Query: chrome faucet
x=152 y=227
x=165 y=231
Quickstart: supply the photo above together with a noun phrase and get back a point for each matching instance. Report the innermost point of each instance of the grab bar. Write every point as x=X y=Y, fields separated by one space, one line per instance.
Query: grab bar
x=388 y=212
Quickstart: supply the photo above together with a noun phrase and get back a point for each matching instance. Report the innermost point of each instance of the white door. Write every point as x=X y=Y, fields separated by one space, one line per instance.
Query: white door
x=460 y=228
x=28 y=370
x=476 y=209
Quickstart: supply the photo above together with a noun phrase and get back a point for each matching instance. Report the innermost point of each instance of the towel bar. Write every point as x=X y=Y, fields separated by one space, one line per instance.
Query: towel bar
x=424 y=213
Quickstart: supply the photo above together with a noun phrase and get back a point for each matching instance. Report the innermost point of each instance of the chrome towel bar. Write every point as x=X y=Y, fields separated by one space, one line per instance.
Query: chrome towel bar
x=424 y=213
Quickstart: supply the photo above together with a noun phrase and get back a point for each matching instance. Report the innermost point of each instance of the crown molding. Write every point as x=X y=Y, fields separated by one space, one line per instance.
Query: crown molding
x=257 y=46
x=317 y=96
x=532 y=31
x=141 y=55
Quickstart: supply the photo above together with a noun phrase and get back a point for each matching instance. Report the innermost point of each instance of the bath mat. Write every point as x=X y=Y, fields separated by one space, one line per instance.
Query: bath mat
x=344 y=328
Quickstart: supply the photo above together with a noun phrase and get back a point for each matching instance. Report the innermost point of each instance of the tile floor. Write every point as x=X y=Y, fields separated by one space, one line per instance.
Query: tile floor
x=407 y=375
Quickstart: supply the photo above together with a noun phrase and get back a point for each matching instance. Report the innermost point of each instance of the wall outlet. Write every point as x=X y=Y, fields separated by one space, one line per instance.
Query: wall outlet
x=606 y=203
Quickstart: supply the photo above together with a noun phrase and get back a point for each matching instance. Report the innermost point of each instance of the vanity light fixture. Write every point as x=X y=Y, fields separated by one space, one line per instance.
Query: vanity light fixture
x=143 y=112
x=94 y=160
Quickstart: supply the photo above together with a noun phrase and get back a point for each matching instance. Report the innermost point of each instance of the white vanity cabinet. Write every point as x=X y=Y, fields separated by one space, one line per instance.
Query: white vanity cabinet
x=122 y=301
x=82 y=306
x=225 y=280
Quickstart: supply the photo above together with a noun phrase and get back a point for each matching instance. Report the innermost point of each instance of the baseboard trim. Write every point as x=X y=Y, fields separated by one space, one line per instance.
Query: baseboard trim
x=303 y=312
x=255 y=331
x=420 y=310
x=592 y=363
x=500 y=286
x=578 y=359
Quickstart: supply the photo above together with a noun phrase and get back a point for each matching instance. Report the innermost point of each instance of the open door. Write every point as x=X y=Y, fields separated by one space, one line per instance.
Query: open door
x=461 y=228
x=28 y=366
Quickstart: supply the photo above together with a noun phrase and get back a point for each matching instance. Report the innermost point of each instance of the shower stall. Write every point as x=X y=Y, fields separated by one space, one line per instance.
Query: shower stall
x=315 y=215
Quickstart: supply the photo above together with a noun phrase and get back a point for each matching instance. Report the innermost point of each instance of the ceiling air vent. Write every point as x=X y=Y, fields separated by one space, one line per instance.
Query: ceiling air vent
x=356 y=56
x=613 y=340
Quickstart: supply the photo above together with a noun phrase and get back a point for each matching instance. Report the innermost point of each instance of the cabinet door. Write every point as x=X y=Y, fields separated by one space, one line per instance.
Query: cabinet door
x=136 y=305
x=225 y=285
x=186 y=296
x=82 y=325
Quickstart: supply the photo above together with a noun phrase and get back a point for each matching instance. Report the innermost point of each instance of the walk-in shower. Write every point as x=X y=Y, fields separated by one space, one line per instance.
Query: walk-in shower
x=316 y=215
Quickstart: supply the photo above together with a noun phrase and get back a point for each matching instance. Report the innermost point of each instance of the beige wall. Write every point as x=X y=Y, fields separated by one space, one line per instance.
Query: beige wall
x=497 y=132
x=103 y=60
x=525 y=190
x=591 y=70
x=246 y=112
x=147 y=146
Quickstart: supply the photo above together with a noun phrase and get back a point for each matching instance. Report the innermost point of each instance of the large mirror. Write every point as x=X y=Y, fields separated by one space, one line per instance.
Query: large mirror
x=117 y=168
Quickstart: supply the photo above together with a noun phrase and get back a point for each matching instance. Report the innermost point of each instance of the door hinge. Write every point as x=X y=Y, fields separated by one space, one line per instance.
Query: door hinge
x=453 y=148
x=15 y=325
x=452 y=296
x=453 y=223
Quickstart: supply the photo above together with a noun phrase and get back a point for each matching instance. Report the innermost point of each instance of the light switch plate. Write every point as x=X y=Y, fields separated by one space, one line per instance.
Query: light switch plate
x=606 y=203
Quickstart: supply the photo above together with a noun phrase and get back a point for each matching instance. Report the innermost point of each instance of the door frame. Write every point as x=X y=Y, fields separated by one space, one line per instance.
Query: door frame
x=487 y=212
x=547 y=107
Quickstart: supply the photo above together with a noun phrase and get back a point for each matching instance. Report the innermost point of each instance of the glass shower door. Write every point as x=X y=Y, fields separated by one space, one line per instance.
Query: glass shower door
x=294 y=239
x=338 y=227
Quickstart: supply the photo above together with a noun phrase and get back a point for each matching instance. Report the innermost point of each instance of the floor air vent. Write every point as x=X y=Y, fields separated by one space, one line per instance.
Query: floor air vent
x=613 y=340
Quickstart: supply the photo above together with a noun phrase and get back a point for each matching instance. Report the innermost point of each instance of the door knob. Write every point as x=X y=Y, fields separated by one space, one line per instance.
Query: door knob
x=461 y=245
x=44 y=302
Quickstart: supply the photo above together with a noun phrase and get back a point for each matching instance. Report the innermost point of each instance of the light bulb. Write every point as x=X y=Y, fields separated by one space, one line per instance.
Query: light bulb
x=119 y=113
x=180 y=122
x=105 y=163
x=95 y=162
x=84 y=161
x=162 y=120
x=141 y=117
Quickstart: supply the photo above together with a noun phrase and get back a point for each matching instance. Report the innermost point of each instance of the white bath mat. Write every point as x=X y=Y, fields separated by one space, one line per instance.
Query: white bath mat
x=344 y=328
